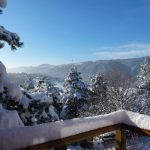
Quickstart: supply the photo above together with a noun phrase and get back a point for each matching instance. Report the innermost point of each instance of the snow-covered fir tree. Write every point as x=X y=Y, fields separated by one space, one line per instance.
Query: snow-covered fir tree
x=43 y=105
x=144 y=76
x=97 y=95
x=99 y=86
x=10 y=94
x=45 y=85
x=75 y=94
x=132 y=98
x=33 y=108
x=29 y=84
x=143 y=85
x=121 y=98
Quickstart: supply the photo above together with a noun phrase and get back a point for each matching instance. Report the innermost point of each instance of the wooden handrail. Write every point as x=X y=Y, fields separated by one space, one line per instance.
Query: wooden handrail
x=120 y=137
x=59 y=134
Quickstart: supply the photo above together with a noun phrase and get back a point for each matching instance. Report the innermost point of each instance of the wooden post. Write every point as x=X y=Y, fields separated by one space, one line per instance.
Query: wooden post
x=121 y=139
x=61 y=148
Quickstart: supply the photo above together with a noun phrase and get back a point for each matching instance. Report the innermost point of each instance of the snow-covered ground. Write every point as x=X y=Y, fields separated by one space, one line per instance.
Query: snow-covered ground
x=33 y=135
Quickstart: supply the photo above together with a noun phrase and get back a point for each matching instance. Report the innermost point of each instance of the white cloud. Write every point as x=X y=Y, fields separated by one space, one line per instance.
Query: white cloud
x=124 y=51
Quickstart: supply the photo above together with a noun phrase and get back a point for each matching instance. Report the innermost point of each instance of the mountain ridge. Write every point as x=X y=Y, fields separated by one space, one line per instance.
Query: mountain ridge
x=88 y=68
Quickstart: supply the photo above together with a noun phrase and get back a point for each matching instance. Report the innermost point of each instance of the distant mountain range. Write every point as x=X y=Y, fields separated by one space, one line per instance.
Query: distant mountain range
x=129 y=66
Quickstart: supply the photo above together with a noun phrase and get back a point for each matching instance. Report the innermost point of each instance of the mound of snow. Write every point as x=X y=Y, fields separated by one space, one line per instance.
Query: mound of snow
x=25 y=101
x=9 y=119
x=53 y=113
x=13 y=90
x=42 y=97
x=3 y=75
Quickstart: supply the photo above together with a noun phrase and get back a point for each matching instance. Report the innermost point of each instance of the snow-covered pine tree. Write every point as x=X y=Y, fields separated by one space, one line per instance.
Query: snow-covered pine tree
x=51 y=90
x=99 y=86
x=14 y=41
x=30 y=83
x=121 y=98
x=98 y=98
x=143 y=85
x=75 y=94
x=41 y=107
x=97 y=103
x=10 y=94
x=144 y=76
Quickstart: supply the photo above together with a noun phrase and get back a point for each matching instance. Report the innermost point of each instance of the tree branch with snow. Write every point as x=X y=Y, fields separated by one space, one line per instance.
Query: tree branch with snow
x=11 y=38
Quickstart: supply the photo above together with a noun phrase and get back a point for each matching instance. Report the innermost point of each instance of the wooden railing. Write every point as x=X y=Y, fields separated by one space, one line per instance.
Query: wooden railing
x=121 y=128
x=60 y=134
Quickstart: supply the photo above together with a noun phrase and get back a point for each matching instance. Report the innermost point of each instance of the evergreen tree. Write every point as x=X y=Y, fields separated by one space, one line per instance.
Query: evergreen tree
x=99 y=86
x=144 y=76
x=29 y=83
x=97 y=94
x=143 y=85
x=75 y=94
x=45 y=85
x=41 y=107
x=121 y=98
x=10 y=93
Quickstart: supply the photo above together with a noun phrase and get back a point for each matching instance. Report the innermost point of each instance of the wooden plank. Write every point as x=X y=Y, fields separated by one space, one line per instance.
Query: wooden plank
x=121 y=139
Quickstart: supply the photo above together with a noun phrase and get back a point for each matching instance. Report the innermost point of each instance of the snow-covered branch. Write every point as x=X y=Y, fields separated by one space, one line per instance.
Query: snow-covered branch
x=11 y=38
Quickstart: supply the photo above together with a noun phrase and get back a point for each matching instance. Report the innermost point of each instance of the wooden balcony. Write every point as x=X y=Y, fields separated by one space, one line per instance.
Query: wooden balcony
x=61 y=144
x=131 y=123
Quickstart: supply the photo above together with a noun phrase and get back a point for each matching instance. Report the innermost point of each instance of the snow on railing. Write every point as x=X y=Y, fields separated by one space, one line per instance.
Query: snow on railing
x=23 y=137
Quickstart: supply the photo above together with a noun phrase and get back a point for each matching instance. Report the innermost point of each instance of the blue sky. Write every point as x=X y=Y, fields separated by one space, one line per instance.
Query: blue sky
x=62 y=31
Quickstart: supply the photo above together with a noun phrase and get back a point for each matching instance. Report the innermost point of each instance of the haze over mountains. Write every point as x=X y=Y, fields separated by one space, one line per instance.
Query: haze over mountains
x=89 y=68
